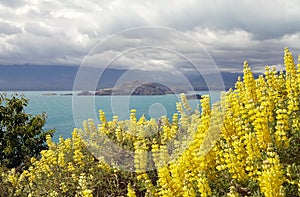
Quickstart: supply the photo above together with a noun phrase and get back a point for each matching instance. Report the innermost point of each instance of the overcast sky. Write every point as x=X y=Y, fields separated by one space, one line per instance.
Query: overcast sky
x=56 y=32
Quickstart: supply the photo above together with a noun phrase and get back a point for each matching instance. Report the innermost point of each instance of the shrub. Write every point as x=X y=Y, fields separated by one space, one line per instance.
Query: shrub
x=68 y=169
x=21 y=134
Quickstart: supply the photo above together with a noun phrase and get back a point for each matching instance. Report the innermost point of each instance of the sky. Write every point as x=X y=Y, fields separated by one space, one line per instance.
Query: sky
x=149 y=35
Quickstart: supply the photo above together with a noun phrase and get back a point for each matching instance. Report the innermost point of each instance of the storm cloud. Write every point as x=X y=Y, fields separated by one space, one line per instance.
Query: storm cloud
x=65 y=32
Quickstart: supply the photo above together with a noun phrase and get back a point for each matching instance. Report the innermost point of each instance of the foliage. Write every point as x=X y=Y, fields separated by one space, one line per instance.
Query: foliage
x=21 y=134
x=68 y=169
x=245 y=145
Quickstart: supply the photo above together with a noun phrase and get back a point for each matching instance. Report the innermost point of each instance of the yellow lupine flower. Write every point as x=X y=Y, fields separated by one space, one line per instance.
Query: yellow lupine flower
x=271 y=178
x=282 y=126
x=53 y=194
x=164 y=180
x=61 y=159
x=63 y=187
x=203 y=186
x=87 y=193
x=133 y=115
x=130 y=191
x=249 y=83
x=262 y=129
x=233 y=192
x=78 y=157
x=188 y=191
x=185 y=102
x=140 y=156
x=12 y=177
x=102 y=116
x=71 y=167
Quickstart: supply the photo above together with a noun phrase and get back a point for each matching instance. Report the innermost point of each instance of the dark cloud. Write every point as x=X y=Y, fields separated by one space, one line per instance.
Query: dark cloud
x=264 y=19
x=64 y=32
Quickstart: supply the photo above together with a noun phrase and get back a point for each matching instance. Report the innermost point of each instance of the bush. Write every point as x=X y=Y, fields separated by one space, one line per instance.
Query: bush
x=68 y=169
x=21 y=138
x=21 y=134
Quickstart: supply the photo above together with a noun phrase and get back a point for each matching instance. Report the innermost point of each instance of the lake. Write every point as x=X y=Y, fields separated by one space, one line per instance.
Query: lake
x=67 y=112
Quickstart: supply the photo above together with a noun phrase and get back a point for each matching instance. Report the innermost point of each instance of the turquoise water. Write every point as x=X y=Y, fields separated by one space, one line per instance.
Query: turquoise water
x=67 y=112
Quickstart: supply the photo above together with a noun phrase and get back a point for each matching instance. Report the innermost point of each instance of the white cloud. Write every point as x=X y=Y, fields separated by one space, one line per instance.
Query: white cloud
x=40 y=29
x=7 y=28
x=13 y=3
x=291 y=40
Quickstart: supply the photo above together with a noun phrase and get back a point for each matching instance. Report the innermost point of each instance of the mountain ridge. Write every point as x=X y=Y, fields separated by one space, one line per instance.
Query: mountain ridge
x=55 y=78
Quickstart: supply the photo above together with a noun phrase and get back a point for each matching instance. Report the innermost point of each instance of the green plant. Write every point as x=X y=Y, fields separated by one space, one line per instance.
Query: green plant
x=21 y=134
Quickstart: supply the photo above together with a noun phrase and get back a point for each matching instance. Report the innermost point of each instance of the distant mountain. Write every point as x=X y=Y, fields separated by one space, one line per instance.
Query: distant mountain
x=29 y=77
x=229 y=80
x=50 y=78
x=26 y=77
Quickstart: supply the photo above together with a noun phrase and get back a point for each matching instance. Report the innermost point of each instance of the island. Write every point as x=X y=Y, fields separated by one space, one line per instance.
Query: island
x=194 y=96
x=49 y=94
x=132 y=88
x=66 y=94
x=136 y=88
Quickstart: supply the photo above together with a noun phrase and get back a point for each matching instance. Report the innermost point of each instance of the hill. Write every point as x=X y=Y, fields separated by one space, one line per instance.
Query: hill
x=136 y=88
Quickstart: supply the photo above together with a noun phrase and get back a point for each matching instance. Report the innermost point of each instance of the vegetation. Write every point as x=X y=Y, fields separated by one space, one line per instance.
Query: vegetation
x=21 y=134
x=245 y=145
